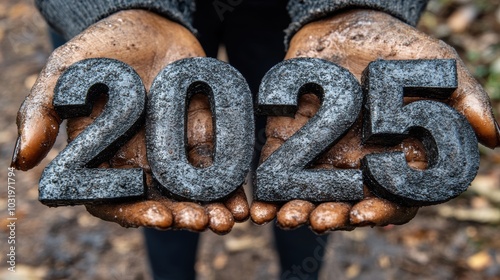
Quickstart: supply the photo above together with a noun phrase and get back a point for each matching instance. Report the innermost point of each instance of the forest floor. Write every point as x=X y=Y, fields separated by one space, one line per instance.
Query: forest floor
x=459 y=239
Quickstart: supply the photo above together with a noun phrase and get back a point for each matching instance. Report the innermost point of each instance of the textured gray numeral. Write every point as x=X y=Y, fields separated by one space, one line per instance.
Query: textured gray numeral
x=283 y=176
x=449 y=141
x=232 y=110
x=69 y=178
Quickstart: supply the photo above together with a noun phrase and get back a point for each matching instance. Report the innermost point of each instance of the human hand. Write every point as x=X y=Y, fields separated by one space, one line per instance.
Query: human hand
x=127 y=36
x=346 y=154
x=352 y=40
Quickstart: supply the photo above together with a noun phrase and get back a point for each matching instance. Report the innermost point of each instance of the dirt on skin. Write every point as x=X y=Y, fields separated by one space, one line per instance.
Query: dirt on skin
x=455 y=240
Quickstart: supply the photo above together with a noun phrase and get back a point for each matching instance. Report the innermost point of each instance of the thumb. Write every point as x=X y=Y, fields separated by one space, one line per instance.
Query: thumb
x=37 y=121
x=38 y=124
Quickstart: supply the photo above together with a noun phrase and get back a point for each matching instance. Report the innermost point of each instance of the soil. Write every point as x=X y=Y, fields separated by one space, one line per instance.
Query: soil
x=455 y=240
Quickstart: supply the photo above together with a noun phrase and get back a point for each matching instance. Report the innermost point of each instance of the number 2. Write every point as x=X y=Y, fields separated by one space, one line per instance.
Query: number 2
x=70 y=179
x=283 y=176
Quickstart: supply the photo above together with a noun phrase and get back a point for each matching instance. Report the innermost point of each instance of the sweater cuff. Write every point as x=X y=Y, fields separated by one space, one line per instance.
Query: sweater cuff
x=306 y=11
x=69 y=18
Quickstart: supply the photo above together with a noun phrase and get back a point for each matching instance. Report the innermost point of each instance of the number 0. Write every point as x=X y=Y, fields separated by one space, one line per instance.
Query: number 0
x=231 y=105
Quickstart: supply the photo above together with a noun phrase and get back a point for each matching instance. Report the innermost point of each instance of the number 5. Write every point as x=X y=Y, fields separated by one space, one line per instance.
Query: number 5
x=449 y=141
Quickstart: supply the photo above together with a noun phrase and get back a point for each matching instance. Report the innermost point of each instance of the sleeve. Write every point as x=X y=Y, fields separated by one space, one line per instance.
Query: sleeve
x=69 y=18
x=305 y=11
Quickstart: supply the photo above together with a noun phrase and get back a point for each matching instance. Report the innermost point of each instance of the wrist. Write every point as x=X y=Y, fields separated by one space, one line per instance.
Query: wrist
x=303 y=12
x=70 y=18
x=335 y=30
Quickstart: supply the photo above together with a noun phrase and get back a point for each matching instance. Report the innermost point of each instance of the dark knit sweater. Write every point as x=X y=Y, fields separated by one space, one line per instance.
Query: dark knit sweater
x=70 y=17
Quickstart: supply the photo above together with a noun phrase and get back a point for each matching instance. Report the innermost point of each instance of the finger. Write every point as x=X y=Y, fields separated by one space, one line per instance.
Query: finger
x=330 y=216
x=134 y=214
x=294 y=214
x=237 y=204
x=221 y=220
x=200 y=135
x=189 y=215
x=76 y=125
x=37 y=121
x=309 y=104
x=200 y=123
x=414 y=153
x=132 y=154
x=349 y=151
x=284 y=127
x=263 y=212
x=473 y=102
x=374 y=211
x=271 y=145
x=279 y=129
x=35 y=139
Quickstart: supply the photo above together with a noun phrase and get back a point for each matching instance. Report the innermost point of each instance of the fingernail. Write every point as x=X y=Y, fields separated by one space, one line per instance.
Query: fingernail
x=14 y=162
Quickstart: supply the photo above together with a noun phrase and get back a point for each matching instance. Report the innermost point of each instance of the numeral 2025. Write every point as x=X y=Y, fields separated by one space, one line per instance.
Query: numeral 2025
x=448 y=139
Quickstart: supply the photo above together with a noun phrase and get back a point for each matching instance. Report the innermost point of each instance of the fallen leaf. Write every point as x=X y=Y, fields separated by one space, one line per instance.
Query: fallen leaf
x=487 y=187
x=488 y=215
x=244 y=243
x=462 y=18
x=384 y=262
x=353 y=271
x=220 y=261
x=479 y=261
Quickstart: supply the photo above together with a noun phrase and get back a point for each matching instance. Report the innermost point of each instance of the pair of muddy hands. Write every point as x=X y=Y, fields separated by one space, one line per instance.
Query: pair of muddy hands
x=351 y=39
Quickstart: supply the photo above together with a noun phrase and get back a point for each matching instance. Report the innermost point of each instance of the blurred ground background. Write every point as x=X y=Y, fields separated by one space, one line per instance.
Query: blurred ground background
x=456 y=240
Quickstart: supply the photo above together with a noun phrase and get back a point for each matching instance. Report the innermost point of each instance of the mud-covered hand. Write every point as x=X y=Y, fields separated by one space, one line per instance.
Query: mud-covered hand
x=147 y=42
x=356 y=38
x=353 y=39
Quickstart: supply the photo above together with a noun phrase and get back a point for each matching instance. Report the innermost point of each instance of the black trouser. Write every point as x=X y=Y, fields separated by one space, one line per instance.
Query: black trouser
x=252 y=32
